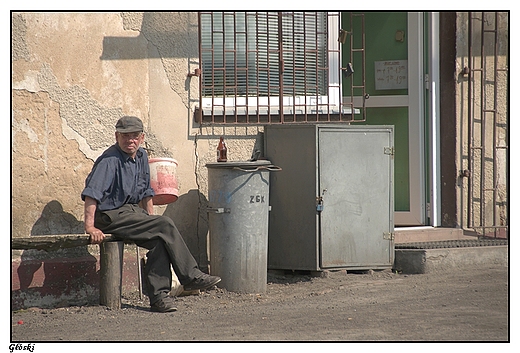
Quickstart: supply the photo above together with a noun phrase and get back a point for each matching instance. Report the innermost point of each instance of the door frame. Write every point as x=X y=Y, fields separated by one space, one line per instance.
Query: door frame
x=416 y=135
x=434 y=118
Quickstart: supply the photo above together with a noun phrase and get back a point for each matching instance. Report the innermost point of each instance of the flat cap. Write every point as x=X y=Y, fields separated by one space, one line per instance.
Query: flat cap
x=129 y=124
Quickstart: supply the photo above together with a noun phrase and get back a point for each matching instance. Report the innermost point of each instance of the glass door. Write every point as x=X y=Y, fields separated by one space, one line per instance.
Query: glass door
x=393 y=79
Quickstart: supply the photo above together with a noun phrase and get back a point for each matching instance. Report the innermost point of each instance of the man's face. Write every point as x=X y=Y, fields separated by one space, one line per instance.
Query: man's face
x=129 y=142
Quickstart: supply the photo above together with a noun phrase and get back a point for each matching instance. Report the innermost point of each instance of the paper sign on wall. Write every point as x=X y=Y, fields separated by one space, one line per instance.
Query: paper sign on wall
x=391 y=74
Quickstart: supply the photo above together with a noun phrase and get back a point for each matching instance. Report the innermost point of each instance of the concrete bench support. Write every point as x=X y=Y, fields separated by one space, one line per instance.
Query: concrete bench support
x=111 y=273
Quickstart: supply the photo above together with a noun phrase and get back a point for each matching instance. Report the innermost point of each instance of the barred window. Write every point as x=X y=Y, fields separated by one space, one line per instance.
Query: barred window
x=268 y=66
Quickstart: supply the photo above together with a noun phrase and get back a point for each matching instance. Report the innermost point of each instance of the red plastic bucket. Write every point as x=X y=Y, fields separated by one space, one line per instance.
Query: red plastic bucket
x=163 y=180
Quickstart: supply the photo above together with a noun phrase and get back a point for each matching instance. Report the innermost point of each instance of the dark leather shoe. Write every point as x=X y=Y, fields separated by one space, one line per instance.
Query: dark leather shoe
x=164 y=305
x=202 y=282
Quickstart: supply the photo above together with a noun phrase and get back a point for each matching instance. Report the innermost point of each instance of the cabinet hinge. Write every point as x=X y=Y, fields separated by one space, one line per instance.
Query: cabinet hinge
x=388 y=235
x=389 y=150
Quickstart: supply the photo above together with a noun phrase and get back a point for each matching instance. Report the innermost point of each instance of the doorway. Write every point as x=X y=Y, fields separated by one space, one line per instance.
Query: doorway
x=394 y=81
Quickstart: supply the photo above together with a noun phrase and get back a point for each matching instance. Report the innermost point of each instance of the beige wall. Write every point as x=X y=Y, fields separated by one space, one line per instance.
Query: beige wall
x=73 y=76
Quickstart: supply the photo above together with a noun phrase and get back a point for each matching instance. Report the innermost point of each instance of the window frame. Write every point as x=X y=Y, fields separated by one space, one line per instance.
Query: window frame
x=257 y=109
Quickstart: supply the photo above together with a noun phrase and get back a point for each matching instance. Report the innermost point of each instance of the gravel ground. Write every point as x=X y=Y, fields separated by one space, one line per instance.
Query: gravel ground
x=466 y=305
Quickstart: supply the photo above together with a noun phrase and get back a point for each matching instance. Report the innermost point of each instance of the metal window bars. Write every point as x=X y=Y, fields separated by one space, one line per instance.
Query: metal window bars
x=488 y=124
x=275 y=67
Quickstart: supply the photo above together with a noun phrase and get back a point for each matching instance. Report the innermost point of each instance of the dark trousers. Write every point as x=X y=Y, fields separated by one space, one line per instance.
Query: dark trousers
x=160 y=236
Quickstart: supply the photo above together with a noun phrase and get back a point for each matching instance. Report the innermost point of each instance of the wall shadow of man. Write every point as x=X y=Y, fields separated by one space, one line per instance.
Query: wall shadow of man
x=65 y=271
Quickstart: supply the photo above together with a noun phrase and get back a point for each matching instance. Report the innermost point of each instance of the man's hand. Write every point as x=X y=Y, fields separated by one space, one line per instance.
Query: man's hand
x=96 y=235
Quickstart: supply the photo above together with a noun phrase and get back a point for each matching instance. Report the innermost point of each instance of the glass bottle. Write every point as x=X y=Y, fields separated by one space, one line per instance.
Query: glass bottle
x=221 y=151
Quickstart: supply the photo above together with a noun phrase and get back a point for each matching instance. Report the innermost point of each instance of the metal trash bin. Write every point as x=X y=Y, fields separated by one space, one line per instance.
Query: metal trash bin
x=238 y=213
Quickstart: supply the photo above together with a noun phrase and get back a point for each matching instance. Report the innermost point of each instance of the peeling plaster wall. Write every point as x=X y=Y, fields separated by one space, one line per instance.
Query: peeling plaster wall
x=73 y=76
x=65 y=104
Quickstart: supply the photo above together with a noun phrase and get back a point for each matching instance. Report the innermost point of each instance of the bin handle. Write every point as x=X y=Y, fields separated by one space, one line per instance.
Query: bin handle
x=269 y=168
x=218 y=210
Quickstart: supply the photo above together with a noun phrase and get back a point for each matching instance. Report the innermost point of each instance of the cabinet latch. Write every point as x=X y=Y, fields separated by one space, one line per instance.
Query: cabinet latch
x=388 y=235
x=319 y=201
x=319 y=204
x=389 y=150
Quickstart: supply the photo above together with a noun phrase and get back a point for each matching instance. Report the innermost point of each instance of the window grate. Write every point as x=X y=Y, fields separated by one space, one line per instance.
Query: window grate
x=488 y=125
x=270 y=67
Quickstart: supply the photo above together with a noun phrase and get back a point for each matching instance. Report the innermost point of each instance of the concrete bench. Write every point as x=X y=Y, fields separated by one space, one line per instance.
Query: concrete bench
x=110 y=260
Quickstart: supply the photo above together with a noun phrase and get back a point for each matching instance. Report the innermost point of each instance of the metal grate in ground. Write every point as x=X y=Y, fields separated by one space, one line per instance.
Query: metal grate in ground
x=452 y=244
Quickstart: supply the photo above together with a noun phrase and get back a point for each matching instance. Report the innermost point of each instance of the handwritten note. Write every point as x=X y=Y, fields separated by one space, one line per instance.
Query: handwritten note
x=391 y=74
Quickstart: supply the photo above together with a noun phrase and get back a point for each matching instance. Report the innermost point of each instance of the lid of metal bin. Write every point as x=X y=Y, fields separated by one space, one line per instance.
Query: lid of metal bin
x=240 y=164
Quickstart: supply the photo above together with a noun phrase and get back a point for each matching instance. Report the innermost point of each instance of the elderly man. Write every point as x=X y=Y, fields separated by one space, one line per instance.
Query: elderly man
x=118 y=200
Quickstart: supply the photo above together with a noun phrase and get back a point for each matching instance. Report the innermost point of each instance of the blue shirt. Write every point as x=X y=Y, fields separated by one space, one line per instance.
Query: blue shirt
x=117 y=179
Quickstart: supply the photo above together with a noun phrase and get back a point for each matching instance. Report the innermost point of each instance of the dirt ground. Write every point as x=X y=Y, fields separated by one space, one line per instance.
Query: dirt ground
x=469 y=304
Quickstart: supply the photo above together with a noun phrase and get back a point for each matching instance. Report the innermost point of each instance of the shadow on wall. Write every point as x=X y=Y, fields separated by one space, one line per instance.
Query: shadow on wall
x=60 y=273
x=160 y=29
x=189 y=215
x=54 y=220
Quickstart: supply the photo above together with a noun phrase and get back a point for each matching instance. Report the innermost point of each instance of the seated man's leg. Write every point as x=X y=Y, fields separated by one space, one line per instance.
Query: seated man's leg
x=157 y=270
x=133 y=223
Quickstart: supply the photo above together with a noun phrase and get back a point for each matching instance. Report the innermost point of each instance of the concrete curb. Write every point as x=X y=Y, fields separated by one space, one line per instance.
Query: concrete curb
x=416 y=261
